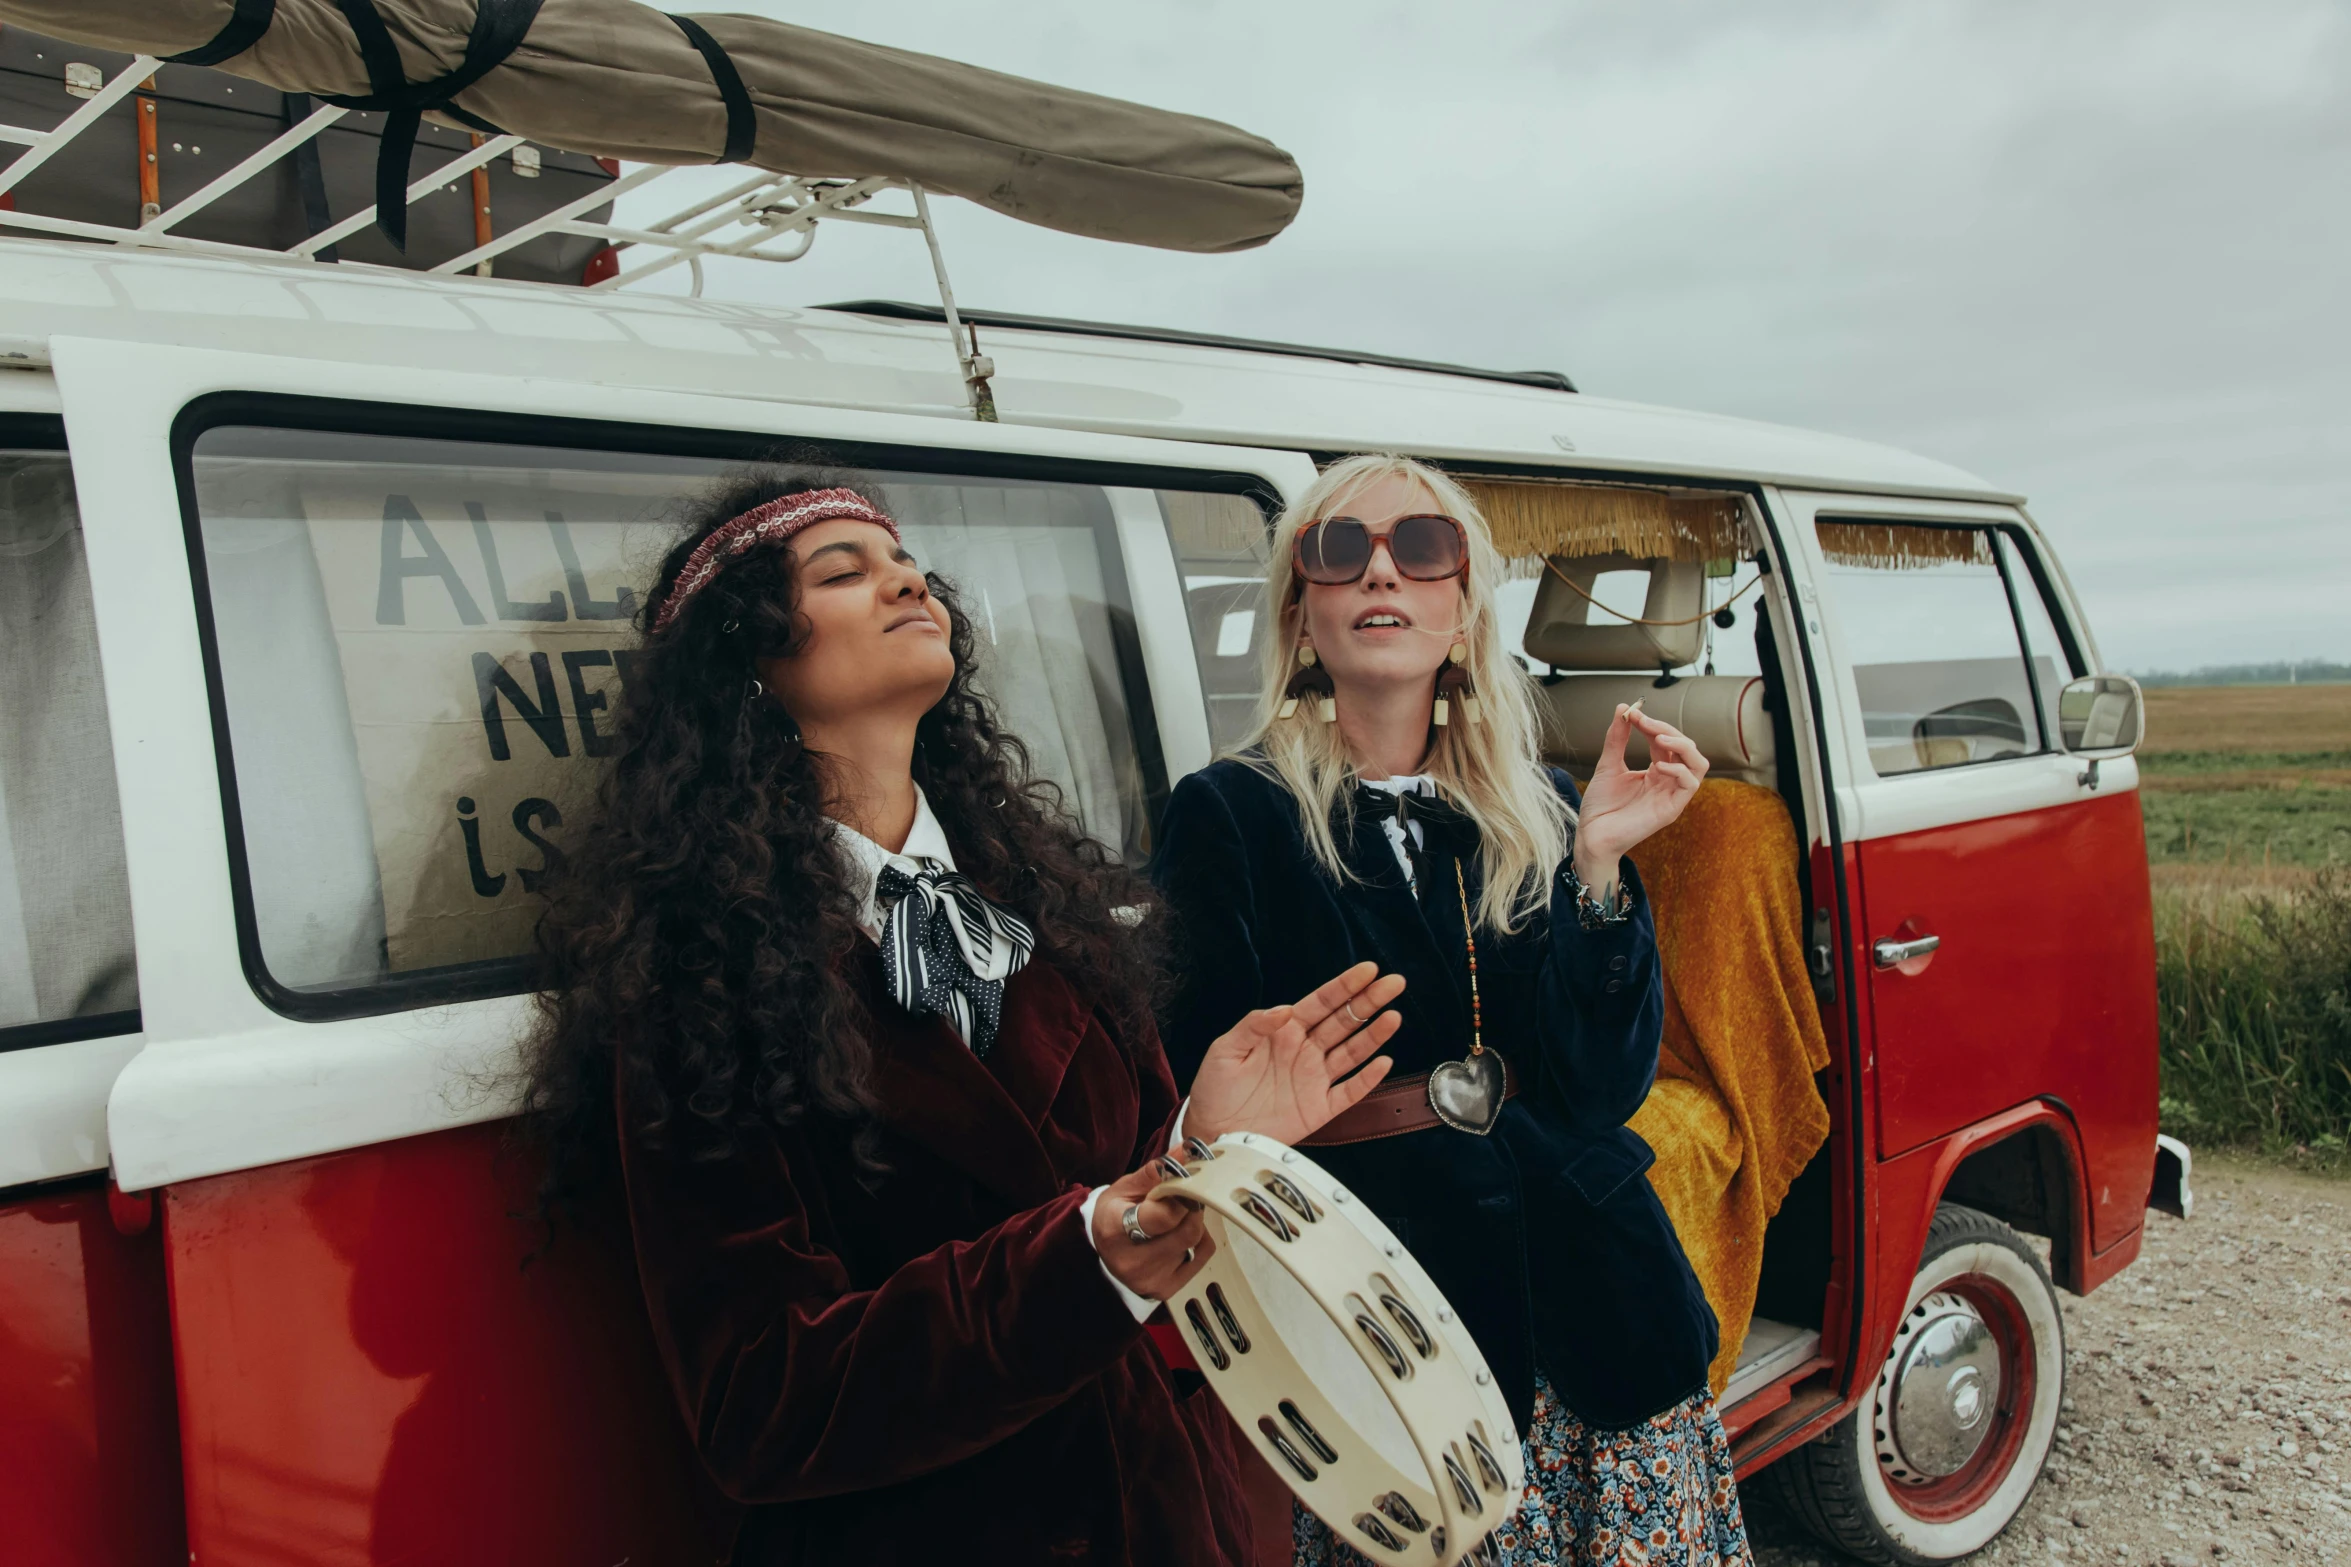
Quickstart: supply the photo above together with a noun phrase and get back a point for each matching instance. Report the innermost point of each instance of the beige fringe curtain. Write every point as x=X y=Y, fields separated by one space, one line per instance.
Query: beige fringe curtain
x=1532 y=518
x=1536 y=517
x=1891 y=546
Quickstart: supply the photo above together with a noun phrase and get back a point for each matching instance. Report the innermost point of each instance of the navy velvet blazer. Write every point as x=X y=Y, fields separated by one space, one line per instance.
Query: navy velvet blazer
x=1543 y=1235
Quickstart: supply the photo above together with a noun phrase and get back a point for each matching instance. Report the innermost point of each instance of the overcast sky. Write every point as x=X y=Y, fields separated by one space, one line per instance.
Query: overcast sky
x=2095 y=252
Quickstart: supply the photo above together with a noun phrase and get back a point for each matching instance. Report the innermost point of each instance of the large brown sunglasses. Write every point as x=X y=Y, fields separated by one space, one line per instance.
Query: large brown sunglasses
x=1427 y=547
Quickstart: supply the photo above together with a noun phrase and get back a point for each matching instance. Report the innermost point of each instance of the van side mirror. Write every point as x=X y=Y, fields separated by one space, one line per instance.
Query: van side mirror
x=2100 y=717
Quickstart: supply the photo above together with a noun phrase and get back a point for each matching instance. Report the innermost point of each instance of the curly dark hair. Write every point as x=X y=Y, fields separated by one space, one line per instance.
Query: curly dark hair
x=694 y=945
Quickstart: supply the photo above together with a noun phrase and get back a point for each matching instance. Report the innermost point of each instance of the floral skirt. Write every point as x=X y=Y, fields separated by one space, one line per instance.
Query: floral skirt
x=1658 y=1495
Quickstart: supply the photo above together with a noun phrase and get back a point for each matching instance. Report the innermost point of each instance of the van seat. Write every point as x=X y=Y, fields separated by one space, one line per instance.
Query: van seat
x=1723 y=714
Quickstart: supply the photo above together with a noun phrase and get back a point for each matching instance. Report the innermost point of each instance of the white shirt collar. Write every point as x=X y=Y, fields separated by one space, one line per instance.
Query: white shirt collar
x=1401 y=783
x=925 y=841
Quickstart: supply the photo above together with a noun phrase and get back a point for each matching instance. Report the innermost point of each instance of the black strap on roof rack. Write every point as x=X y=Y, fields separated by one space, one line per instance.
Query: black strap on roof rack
x=498 y=28
x=898 y=310
x=242 y=31
x=742 y=124
x=310 y=180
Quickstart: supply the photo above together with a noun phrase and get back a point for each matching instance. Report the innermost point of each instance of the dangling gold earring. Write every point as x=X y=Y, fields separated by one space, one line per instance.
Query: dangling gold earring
x=1311 y=681
x=1453 y=685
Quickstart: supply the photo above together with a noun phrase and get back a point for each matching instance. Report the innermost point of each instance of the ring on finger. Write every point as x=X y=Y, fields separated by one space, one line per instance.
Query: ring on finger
x=1133 y=1220
x=1189 y=1253
x=1348 y=1007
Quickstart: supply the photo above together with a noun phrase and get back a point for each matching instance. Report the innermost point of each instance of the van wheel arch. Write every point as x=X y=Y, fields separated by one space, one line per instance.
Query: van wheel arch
x=2028 y=1181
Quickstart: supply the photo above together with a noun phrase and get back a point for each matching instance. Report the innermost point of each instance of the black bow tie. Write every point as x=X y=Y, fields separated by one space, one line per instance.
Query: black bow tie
x=937 y=943
x=1435 y=814
x=1446 y=831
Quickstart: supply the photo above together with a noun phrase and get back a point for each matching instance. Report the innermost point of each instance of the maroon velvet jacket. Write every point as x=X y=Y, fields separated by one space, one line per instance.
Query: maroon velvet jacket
x=934 y=1369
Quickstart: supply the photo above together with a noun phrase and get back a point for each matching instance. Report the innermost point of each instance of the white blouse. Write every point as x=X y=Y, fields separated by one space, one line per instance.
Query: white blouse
x=1403 y=783
x=927 y=841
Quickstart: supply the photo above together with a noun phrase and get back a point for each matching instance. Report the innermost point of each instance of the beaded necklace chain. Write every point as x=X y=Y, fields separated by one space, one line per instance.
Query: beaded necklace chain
x=1477 y=1018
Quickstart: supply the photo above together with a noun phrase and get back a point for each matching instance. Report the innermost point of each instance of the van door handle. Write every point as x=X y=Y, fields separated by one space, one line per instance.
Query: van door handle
x=1889 y=953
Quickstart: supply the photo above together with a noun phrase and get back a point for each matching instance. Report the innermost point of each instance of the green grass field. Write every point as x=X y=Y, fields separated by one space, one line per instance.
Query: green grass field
x=2247 y=795
x=2282 y=809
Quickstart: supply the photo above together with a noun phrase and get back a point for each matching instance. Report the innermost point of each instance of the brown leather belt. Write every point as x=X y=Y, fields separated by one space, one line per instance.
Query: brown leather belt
x=1397 y=1106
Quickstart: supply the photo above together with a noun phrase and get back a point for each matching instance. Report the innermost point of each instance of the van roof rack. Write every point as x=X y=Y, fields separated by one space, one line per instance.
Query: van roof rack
x=766 y=216
x=899 y=310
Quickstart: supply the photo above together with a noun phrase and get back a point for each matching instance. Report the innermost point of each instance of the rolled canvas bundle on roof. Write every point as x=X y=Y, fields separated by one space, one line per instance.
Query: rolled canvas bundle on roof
x=612 y=78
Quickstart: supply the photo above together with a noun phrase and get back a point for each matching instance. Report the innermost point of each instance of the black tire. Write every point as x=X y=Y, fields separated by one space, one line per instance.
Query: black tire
x=1850 y=1488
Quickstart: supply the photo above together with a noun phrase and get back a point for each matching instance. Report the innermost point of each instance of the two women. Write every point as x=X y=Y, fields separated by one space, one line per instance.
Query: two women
x=1392 y=807
x=847 y=1006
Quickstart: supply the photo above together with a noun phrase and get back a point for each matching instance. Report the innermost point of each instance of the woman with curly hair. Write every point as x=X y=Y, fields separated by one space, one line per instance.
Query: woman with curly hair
x=861 y=1021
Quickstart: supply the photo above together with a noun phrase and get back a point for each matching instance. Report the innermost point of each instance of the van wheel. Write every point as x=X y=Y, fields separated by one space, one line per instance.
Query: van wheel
x=1951 y=1439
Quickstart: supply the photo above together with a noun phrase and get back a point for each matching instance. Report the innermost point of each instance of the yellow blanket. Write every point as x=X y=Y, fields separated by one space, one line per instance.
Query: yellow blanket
x=1735 y=1114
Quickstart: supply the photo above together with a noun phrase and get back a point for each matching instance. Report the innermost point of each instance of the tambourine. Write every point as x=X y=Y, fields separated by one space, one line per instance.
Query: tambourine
x=1340 y=1359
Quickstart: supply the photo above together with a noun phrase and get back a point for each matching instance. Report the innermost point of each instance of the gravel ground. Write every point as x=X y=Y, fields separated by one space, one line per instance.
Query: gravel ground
x=2208 y=1394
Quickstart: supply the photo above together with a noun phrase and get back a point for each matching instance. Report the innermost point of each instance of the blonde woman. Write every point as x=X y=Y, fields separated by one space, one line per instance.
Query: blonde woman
x=1392 y=806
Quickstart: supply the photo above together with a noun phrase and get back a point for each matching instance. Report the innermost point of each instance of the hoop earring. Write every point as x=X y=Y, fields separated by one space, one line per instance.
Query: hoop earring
x=794 y=742
x=1453 y=685
x=1312 y=683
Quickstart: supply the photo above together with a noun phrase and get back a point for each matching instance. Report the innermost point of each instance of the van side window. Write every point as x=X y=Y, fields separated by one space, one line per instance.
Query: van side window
x=2054 y=657
x=1220 y=549
x=1953 y=650
x=67 y=965
x=423 y=647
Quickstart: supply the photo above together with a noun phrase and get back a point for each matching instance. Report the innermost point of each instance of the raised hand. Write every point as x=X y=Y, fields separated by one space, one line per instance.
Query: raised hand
x=1282 y=1072
x=1622 y=807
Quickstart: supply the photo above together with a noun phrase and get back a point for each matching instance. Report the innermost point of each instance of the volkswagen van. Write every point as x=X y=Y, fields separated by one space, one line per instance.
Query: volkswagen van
x=316 y=588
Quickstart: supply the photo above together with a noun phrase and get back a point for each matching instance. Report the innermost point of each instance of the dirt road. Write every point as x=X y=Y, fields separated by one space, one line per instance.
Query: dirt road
x=2208 y=1400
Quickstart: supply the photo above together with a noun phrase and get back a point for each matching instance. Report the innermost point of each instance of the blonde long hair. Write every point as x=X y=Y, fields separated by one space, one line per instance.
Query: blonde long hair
x=1488 y=770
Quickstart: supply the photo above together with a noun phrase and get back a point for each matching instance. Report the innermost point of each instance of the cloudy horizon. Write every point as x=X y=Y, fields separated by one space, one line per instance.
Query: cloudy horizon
x=2091 y=253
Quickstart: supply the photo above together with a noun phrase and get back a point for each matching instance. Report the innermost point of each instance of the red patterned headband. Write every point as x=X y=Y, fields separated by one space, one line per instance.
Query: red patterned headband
x=772 y=523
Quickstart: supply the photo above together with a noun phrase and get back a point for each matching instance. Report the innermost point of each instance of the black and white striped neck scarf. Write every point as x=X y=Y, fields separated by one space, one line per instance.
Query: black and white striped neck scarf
x=946 y=950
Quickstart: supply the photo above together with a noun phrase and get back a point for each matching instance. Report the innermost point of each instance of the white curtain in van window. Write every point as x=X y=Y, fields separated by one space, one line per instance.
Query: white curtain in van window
x=1027 y=564
x=318 y=898
x=65 y=907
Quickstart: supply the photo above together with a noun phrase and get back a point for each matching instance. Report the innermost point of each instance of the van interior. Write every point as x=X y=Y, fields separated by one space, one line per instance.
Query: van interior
x=1684 y=626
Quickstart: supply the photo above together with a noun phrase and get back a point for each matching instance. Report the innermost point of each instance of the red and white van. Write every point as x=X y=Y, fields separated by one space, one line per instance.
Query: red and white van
x=314 y=598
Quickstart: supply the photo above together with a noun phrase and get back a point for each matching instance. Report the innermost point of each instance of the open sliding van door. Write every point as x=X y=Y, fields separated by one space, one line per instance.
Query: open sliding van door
x=2003 y=884
x=364 y=630
x=2001 y=943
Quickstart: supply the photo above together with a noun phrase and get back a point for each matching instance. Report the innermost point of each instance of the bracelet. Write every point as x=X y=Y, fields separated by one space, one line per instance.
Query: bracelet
x=1591 y=913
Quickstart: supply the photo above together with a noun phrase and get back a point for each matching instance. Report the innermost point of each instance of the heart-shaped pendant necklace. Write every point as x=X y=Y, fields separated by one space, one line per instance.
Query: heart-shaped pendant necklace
x=1467 y=1095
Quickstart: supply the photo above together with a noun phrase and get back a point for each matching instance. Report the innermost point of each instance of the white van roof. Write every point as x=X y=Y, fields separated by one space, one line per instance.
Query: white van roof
x=1060 y=375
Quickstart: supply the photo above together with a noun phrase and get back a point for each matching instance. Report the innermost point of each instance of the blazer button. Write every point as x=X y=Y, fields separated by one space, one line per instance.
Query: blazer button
x=1613 y=986
x=1616 y=964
